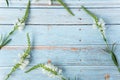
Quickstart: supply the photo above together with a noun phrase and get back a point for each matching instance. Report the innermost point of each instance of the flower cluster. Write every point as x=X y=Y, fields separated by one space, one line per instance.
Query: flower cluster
x=49 y=69
x=20 y=25
x=25 y=62
x=53 y=68
x=24 y=59
x=50 y=2
x=100 y=24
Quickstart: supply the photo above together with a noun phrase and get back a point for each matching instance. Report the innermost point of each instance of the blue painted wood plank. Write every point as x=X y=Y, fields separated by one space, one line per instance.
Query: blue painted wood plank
x=65 y=41
x=86 y=55
x=49 y=16
x=71 y=3
x=59 y=35
x=82 y=73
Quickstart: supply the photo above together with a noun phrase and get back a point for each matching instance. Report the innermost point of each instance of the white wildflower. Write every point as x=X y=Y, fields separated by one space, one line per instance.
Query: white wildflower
x=50 y=2
x=53 y=68
x=102 y=22
x=25 y=62
x=21 y=25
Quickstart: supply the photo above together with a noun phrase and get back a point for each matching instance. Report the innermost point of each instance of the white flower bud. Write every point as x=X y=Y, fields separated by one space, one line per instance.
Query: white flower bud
x=24 y=64
x=50 y=2
x=21 y=26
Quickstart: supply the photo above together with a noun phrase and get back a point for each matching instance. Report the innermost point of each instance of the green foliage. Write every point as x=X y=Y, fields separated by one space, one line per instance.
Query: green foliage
x=4 y=40
x=34 y=67
x=24 y=18
x=49 y=70
x=7 y=2
x=43 y=67
x=100 y=27
x=90 y=13
x=26 y=53
x=15 y=67
x=65 y=6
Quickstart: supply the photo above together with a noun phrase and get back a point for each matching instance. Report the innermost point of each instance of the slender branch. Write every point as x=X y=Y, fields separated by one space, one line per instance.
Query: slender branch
x=4 y=40
x=100 y=26
x=7 y=2
x=22 y=59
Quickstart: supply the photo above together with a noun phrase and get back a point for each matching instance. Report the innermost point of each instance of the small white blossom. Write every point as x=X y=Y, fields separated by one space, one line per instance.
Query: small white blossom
x=21 y=26
x=25 y=62
x=100 y=25
x=53 y=68
x=102 y=22
x=50 y=2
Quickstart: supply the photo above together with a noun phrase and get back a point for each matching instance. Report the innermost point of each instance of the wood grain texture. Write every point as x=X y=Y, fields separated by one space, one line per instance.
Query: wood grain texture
x=89 y=55
x=69 y=71
x=71 y=3
x=69 y=41
x=59 y=16
x=57 y=35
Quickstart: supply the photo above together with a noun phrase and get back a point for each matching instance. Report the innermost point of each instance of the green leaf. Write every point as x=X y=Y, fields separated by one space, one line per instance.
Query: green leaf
x=90 y=13
x=119 y=69
x=63 y=78
x=113 y=47
x=24 y=18
x=13 y=70
x=100 y=27
x=4 y=40
x=65 y=6
x=114 y=59
x=26 y=53
x=7 y=2
x=34 y=67
x=43 y=67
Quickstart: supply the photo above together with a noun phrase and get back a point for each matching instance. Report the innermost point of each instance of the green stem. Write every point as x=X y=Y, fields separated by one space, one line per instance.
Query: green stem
x=7 y=2
x=65 y=6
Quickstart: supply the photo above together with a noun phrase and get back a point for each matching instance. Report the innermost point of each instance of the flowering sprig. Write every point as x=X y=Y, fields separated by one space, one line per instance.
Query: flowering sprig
x=21 y=22
x=99 y=22
x=5 y=39
x=64 y=5
x=24 y=59
x=49 y=69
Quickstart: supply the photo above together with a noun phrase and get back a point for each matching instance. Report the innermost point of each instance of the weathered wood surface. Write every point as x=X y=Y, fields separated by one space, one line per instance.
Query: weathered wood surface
x=69 y=41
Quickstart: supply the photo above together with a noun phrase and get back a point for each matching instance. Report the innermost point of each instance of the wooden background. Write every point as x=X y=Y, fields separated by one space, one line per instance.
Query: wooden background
x=69 y=41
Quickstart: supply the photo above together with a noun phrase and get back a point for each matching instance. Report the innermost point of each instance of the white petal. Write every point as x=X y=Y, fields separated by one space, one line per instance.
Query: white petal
x=101 y=21
x=60 y=71
x=21 y=26
x=26 y=62
x=50 y=2
x=22 y=67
